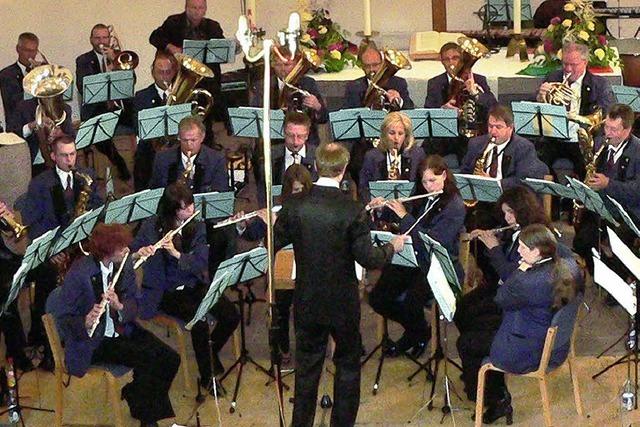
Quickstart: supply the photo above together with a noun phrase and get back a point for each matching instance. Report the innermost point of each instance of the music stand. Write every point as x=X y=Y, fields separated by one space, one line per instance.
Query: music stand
x=477 y=187
x=627 y=95
x=591 y=200
x=429 y=123
x=445 y=286
x=110 y=86
x=539 y=119
x=213 y=51
x=161 y=122
x=392 y=189
x=133 y=207
x=97 y=129
x=78 y=230
x=214 y=205
x=247 y=122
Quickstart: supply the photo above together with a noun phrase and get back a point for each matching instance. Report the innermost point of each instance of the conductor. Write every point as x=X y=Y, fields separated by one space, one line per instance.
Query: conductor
x=329 y=232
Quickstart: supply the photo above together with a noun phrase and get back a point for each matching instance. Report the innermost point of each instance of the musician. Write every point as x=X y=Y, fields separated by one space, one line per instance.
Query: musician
x=12 y=75
x=312 y=104
x=100 y=60
x=295 y=150
x=326 y=298
x=617 y=175
x=50 y=202
x=401 y=292
x=591 y=92
x=118 y=339
x=439 y=96
x=176 y=279
x=543 y=284
x=395 y=157
x=163 y=70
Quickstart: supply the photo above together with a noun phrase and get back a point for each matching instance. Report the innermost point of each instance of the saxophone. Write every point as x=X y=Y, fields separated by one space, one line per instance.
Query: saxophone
x=85 y=193
x=394 y=169
x=591 y=161
x=478 y=168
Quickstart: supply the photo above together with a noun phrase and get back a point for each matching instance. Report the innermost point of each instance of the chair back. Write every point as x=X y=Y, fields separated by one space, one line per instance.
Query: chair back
x=283 y=268
x=54 y=340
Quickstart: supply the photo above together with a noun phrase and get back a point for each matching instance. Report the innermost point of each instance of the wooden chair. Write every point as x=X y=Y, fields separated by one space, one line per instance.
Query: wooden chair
x=110 y=373
x=547 y=200
x=561 y=332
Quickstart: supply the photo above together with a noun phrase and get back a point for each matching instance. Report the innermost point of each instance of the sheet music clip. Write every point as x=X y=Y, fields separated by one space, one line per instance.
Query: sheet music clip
x=214 y=205
x=476 y=187
x=163 y=121
x=78 y=230
x=627 y=95
x=110 y=86
x=213 y=51
x=404 y=258
x=97 y=129
x=392 y=189
x=539 y=119
x=246 y=122
x=133 y=207
x=433 y=122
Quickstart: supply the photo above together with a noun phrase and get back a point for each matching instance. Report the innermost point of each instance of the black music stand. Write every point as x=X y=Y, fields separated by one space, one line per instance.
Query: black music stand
x=110 y=86
x=97 y=129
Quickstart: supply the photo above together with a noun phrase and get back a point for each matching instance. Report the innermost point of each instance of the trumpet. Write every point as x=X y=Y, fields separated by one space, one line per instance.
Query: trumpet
x=105 y=302
x=9 y=222
x=369 y=208
x=465 y=237
x=232 y=220
x=166 y=237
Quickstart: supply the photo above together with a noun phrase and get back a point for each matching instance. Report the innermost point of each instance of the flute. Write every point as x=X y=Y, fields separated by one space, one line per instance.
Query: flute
x=167 y=236
x=105 y=302
x=468 y=236
x=244 y=217
x=369 y=208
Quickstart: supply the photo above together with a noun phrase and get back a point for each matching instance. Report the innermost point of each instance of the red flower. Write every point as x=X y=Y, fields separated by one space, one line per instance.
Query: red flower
x=335 y=46
x=313 y=33
x=602 y=40
x=548 y=46
x=353 y=49
x=555 y=20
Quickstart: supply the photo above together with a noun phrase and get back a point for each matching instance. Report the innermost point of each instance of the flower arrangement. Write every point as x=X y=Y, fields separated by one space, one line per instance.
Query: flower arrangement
x=325 y=36
x=578 y=24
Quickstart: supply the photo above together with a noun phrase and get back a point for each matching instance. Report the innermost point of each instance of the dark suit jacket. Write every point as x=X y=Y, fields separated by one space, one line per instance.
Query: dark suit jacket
x=11 y=88
x=519 y=159
x=596 y=91
x=444 y=223
x=82 y=288
x=306 y=83
x=210 y=175
x=624 y=178
x=356 y=89
x=24 y=113
x=45 y=206
x=175 y=29
x=147 y=98
x=374 y=168
x=329 y=232
x=162 y=272
x=438 y=94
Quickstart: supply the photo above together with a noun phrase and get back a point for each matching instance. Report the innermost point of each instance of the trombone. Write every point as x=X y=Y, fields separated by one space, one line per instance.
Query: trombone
x=124 y=59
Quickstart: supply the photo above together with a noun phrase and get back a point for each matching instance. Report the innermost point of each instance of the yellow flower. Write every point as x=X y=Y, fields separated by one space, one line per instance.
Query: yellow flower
x=335 y=54
x=583 y=35
x=559 y=54
x=306 y=16
x=567 y=23
x=322 y=29
x=306 y=38
x=551 y=27
x=591 y=26
x=569 y=7
x=599 y=53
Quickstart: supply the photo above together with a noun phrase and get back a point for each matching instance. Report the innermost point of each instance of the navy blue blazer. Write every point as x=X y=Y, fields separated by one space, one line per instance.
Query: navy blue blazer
x=210 y=175
x=82 y=288
x=356 y=90
x=438 y=93
x=596 y=91
x=162 y=272
x=11 y=88
x=147 y=98
x=45 y=206
x=519 y=159
x=374 y=168
x=25 y=113
x=624 y=178
x=444 y=223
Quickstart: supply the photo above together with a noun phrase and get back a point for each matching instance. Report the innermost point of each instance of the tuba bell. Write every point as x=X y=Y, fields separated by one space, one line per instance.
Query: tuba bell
x=183 y=88
x=375 y=95
x=307 y=59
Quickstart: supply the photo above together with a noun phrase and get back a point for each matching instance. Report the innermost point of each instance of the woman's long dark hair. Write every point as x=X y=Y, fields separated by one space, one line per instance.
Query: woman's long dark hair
x=175 y=197
x=295 y=173
x=525 y=205
x=565 y=285
x=437 y=165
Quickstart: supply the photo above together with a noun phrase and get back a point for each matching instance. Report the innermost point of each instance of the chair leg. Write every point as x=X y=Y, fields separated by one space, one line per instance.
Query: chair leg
x=576 y=388
x=184 y=361
x=237 y=343
x=114 y=395
x=379 y=327
x=59 y=398
x=482 y=374
x=546 y=407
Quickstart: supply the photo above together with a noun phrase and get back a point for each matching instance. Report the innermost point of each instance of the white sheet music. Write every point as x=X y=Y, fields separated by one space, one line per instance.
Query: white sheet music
x=441 y=290
x=625 y=254
x=614 y=284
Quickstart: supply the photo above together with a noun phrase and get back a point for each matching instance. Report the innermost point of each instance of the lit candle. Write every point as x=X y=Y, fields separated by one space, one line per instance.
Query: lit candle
x=251 y=11
x=517 y=16
x=367 y=17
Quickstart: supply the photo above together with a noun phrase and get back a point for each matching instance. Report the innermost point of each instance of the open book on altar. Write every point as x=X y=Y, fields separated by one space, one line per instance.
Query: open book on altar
x=427 y=44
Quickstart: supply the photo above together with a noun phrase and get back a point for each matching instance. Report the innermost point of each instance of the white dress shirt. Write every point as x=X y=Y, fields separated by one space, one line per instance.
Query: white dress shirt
x=289 y=158
x=501 y=149
x=64 y=177
x=110 y=330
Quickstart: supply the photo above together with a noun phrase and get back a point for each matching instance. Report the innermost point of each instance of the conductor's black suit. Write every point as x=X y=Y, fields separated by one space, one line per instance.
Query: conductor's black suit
x=329 y=232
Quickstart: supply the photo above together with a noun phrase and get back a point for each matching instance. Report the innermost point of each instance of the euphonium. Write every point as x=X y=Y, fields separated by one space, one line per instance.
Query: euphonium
x=125 y=59
x=560 y=93
x=183 y=89
x=376 y=97
x=308 y=59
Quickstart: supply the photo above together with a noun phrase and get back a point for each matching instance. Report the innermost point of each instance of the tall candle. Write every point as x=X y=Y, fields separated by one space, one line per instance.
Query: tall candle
x=517 y=16
x=367 y=17
x=251 y=11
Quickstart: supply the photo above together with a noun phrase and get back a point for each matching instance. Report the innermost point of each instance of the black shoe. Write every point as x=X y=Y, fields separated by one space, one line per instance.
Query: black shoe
x=502 y=408
x=400 y=347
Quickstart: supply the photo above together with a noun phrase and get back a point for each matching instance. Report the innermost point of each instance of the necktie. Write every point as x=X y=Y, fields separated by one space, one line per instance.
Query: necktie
x=493 y=168
x=610 y=161
x=68 y=192
x=296 y=158
x=164 y=98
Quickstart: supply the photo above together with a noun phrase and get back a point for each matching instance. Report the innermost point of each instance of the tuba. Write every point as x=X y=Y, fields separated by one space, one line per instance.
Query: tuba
x=48 y=83
x=376 y=97
x=183 y=88
x=472 y=50
x=308 y=59
x=125 y=59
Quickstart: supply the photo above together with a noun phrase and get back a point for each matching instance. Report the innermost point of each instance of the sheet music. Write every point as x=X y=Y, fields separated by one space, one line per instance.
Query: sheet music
x=612 y=283
x=441 y=290
x=623 y=252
